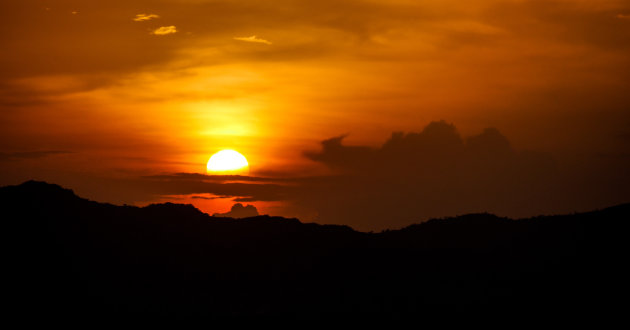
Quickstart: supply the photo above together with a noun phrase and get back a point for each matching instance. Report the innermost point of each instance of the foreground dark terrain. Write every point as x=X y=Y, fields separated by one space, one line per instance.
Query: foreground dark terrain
x=68 y=255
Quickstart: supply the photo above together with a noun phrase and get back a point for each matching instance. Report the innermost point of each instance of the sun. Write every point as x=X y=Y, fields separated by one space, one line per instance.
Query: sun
x=228 y=162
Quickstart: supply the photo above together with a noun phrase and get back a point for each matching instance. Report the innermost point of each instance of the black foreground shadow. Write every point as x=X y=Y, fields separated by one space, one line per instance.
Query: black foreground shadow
x=67 y=256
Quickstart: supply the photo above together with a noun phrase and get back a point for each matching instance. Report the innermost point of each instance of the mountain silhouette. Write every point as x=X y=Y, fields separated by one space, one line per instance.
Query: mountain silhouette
x=69 y=255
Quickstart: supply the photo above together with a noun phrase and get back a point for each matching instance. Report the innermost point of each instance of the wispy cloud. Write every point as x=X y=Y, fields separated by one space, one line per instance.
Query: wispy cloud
x=209 y=198
x=164 y=30
x=622 y=16
x=145 y=17
x=253 y=39
x=11 y=156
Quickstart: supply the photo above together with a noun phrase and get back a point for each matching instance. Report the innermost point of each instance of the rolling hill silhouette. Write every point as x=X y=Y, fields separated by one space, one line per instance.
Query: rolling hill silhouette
x=72 y=256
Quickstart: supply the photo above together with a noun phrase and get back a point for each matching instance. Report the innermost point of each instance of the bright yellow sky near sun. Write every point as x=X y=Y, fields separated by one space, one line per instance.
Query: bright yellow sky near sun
x=271 y=79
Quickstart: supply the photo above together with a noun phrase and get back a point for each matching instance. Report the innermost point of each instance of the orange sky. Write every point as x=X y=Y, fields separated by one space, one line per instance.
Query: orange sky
x=94 y=91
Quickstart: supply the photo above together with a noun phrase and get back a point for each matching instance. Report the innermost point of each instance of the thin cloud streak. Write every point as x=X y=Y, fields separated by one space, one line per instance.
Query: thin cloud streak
x=145 y=17
x=13 y=156
x=254 y=39
x=164 y=30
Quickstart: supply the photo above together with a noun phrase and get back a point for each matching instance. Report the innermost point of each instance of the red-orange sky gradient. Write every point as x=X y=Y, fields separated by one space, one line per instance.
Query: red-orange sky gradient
x=125 y=101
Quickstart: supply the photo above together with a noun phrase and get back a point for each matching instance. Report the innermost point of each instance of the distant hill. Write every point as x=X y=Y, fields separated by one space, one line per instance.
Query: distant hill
x=72 y=256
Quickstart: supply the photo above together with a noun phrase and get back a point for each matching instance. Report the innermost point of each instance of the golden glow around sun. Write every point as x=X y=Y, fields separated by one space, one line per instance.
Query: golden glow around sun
x=227 y=162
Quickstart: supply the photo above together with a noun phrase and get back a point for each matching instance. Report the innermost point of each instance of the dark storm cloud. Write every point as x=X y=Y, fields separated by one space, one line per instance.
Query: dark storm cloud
x=435 y=172
x=427 y=174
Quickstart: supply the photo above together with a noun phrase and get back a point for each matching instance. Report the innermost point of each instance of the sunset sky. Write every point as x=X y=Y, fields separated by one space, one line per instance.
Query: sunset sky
x=516 y=107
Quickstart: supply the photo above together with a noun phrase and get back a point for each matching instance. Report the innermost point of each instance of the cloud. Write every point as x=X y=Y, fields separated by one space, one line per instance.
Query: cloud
x=563 y=22
x=257 y=189
x=164 y=30
x=13 y=156
x=88 y=45
x=145 y=17
x=622 y=16
x=253 y=39
x=411 y=177
x=209 y=198
x=431 y=173
x=239 y=211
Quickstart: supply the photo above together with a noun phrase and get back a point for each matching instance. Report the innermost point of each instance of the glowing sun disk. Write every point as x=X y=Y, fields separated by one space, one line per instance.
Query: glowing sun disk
x=227 y=161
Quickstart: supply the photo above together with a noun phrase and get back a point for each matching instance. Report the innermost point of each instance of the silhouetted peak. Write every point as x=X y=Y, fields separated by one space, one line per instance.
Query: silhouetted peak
x=33 y=185
x=621 y=209
x=166 y=259
x=271 y=219
x=477 y=218
x=39 y=190
x=173 y=208
x=473 y=219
